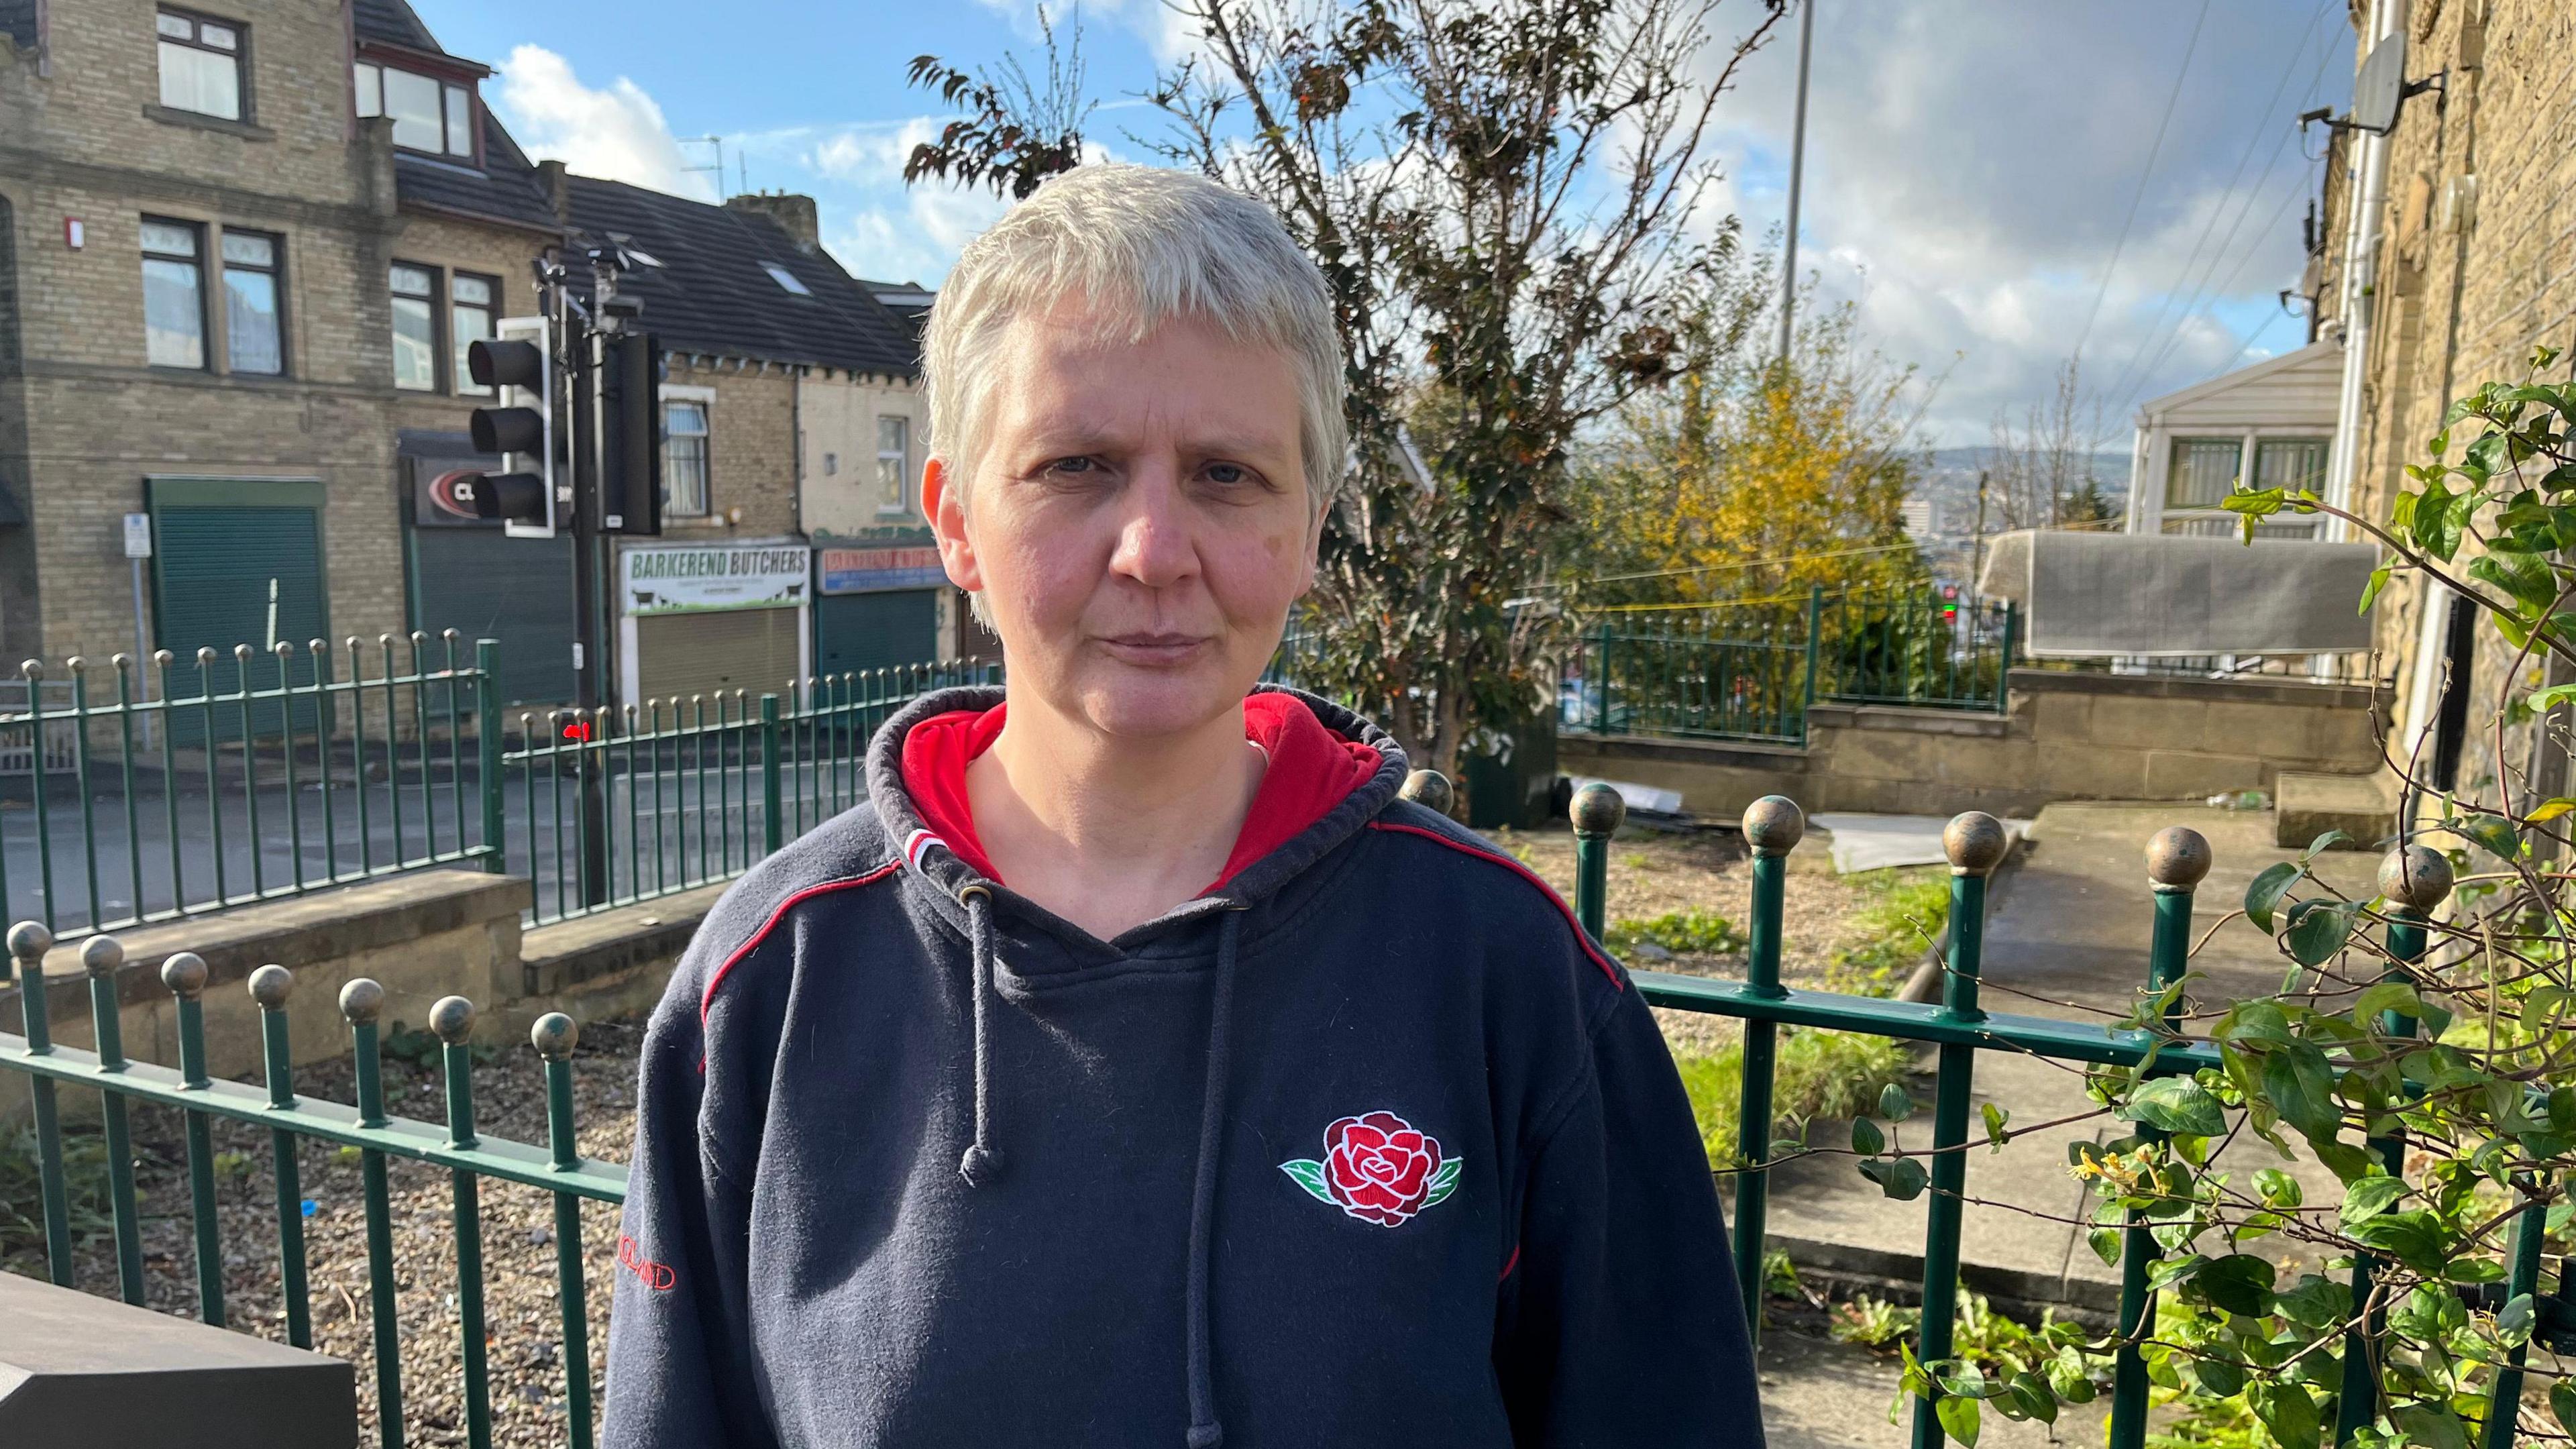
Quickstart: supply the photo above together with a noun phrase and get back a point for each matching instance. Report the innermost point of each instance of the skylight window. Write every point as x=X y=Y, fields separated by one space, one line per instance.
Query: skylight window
x=785 y=278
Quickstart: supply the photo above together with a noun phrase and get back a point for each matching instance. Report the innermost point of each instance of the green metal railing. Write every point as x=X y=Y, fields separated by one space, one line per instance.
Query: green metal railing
x=1750 y=671
x=689 y=792
x=469 y=1157
x=230 y=780
x=1959 y=1028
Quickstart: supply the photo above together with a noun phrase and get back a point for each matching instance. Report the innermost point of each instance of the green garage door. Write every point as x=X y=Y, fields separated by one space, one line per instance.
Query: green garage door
x=854 y=632
x=517 y=591
x=237 y=563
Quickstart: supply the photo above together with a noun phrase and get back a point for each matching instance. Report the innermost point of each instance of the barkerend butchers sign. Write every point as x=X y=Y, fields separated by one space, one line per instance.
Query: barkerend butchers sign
x=705 y=578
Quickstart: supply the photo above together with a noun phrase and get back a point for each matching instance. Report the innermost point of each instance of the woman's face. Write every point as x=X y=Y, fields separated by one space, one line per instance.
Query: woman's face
x=1138 y=524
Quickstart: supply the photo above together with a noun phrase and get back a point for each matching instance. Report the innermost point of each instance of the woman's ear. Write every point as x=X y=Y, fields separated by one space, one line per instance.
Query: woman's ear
x=943 y=505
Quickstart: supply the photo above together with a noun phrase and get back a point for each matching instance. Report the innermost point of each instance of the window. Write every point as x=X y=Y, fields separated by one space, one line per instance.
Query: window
x=200 y=64
x=785 y=278
x=894 y=462
x=429 y=114
x=684 y=459
x=2290 y=463
x=415 y=292
x=2202 y=470
x=469 y=320
x=174 y=301
x=253 y=341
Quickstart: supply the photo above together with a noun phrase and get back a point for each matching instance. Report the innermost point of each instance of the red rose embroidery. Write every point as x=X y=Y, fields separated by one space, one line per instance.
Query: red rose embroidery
x=1378 y=1168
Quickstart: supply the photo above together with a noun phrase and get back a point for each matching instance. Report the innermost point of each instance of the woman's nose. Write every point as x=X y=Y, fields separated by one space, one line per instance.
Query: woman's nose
x=1154 y=546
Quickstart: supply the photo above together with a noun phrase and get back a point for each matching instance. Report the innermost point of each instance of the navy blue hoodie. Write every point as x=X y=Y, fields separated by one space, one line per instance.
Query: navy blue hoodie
x=1371 y=1145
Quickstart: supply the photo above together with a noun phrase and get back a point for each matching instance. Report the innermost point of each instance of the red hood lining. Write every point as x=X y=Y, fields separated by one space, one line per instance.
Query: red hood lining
x=1311 y=770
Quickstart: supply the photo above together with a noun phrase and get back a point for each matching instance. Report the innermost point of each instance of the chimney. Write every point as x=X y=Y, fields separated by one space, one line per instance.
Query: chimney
x=551 y=177
x=793 y=213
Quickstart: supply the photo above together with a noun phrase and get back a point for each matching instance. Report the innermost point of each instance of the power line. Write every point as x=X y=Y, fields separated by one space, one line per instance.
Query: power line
x=2135 y=197
x=2262 y=127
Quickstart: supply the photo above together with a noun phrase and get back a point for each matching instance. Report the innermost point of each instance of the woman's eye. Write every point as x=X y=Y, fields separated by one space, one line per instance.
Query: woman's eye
x=1070 y=465
x=1226 y=473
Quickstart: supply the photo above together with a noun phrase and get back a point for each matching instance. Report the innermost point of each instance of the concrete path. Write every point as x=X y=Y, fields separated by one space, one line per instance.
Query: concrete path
x=2066 y=937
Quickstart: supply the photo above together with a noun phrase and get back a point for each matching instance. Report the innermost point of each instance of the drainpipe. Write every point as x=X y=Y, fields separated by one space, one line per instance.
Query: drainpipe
x=2360 y=271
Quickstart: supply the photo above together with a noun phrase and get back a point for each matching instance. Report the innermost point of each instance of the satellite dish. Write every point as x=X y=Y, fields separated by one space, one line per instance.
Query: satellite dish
x=2380 y=86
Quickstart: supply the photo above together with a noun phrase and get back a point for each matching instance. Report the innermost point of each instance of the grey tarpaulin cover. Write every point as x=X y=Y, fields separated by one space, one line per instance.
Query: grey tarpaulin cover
x=2090 y=594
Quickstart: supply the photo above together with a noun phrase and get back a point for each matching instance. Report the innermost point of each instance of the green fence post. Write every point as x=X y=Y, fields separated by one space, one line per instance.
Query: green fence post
x=1975 y=843
x=101 y=955
x=2177 y=859
x=2414 y=879
x=1815 y=629
x=2003 y=661
x=772 y=829
x=28 y=943
x=487 y=745
x=452 y=1019
x=270 y=985
x=1596 y=814
x=362 y=1001
x=554 y=1036
x=185 y=975
x=1772 y=826
x=2504 y=1398
x=1601 y=673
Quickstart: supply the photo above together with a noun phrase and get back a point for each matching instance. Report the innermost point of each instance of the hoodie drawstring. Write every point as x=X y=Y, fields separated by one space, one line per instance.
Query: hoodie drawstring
x=1205 y=1432
x=982 y=1161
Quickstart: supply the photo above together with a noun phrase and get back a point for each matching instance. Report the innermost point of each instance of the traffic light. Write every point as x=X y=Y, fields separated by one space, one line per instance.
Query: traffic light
x=518 y=363
x=630 y=434
x=1949 y=603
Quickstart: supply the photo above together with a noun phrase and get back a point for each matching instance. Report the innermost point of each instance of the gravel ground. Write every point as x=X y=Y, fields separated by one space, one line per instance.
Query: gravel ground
x=1651 y=873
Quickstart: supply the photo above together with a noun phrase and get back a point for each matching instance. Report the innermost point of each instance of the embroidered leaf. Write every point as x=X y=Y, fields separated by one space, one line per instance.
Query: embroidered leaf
x=1443 y=1182
x=1310 y=1176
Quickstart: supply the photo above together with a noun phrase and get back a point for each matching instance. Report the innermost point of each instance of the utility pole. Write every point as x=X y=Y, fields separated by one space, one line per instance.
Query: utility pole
x=1977 y=549
x=1797 y=178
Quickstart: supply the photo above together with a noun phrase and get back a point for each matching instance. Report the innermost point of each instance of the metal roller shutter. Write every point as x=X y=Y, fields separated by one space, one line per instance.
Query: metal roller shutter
x=514 y=590
x=856 y=632
x=216 y=565
x=754 y=650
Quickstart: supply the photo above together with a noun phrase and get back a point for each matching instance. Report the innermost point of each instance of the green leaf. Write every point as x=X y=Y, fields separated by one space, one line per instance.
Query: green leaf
x=2286 y=1410
x=1959 y=1419
x=2430 y=1428
x=2105 y=1243
x=2540 y=701
x=1867 y=1140
x=2298 y=1081
x=2495 y=834
x=2369 y=1198
x=2322 y=844
x=2315 y=1302
x=2279 y=1189
x=1995 y=1118
x=2219 y=1376
x=2175 y=1104
x=1894 y=1104
x=2241 y=1283
x=1444 y=1181
x=2513 y=1321
x=2562 y=1404
x=2370 y=591
x=2318 y=930
x=1309 y=1175
x=2555 y=806
x=2265 y=893
x=1901 y=1178
x=2383 y=996
x=2030 y=1394
x=2412 y=1238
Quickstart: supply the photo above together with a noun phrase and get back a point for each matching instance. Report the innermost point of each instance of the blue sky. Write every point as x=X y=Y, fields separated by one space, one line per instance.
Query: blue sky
x=1972 y=164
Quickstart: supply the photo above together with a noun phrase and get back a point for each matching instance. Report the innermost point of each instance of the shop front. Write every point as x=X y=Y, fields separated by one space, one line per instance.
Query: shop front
x=707 y=619
x=876 y=607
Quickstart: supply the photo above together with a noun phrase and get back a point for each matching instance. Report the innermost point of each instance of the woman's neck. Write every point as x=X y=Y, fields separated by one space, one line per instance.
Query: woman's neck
x=1110 y=833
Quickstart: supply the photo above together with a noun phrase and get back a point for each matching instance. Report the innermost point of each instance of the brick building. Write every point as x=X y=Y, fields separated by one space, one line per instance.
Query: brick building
x=243 y=247
x=2455 y=262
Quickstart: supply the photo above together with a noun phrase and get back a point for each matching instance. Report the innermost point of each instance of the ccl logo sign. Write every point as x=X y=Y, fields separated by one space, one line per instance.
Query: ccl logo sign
x=451 y=494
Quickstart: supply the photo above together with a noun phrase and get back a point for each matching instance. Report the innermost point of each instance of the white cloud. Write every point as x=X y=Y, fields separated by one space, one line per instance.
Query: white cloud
x=618 y=133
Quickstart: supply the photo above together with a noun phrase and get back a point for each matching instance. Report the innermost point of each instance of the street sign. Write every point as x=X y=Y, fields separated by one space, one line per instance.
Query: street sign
x=138 y=535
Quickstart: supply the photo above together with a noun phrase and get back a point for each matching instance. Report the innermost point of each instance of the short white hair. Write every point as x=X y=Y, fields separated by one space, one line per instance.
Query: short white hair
x=1140 y=245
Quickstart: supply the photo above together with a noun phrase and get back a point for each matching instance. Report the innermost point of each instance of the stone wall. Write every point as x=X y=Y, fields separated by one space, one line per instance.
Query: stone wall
x=2068 y=736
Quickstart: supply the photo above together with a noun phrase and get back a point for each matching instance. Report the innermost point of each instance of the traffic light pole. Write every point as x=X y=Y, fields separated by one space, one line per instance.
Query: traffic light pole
x=591 y=690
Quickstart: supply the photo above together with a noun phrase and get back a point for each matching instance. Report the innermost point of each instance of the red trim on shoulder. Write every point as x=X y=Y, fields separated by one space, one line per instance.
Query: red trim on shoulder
x=1509 y=1264
x=1525 y=873
x=708 y=1000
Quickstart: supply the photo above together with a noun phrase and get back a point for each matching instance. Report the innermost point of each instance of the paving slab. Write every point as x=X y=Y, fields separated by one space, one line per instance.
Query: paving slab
x=2066 y=937
x=1819 y=1394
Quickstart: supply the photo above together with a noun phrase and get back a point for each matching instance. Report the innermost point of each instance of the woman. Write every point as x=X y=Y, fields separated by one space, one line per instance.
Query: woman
x=1135 y=1067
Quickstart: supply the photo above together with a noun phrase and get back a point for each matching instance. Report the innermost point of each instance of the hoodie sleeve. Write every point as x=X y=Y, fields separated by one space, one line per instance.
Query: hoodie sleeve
x=679 y=1357
x=1621 y=1321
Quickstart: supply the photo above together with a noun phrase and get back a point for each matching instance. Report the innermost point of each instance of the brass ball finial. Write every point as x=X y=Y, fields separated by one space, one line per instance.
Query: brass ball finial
x=1975 y=842
x=29 y=941
x=362 y=1000
x=1597 y=811
x=270 y=985
x=185 y=974
x=554 y=1036
x=451 y=1020
x=2417 y=877
x=2177 y=858
x=1430 y=790
x=1773 y=825
x=102 y=954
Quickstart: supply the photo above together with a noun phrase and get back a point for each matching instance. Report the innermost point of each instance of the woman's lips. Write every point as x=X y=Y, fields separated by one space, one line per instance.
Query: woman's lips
x=1153 y=648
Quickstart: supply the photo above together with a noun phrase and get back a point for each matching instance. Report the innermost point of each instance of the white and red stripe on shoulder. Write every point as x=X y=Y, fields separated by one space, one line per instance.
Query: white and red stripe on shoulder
x=777 y=914
x=1495 y=857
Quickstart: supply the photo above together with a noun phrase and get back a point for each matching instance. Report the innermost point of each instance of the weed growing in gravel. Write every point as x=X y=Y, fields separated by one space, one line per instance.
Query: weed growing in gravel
x=1676 y=933
x=2041 y=1364
x=22 y=1203
x=1828 y=1074
x=1906 y=912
